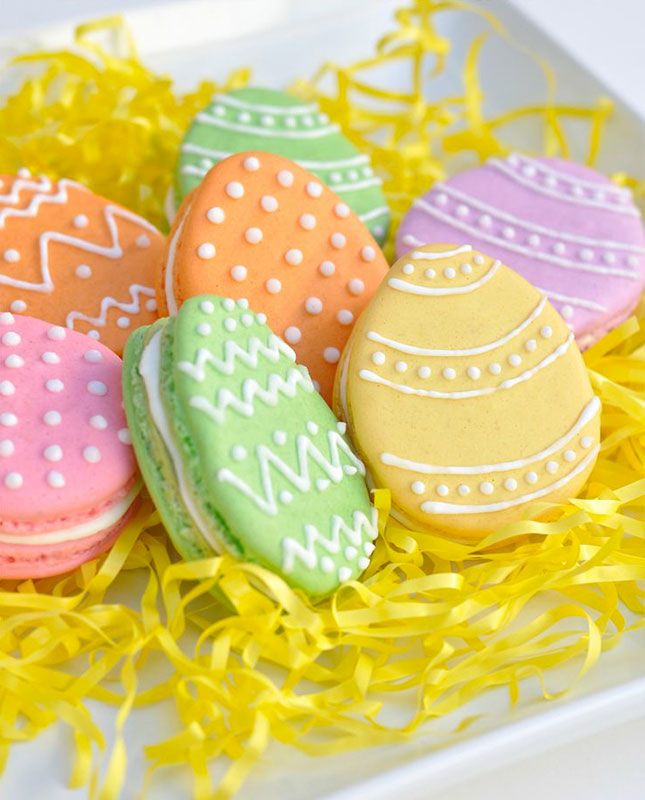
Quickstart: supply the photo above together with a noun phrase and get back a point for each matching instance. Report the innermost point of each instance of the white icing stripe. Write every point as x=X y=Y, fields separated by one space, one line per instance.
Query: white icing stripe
x=342 y=387
x=411 y=288
x=573 y=179
x=435 y=255
x=169 y=275
x=314 y=133
x=357 y=186
x=533 y=226
x=233 y=352
x=372 y=377
x=573 y=301
x=207 y=152
x=471 y=351
x=190 y=169
x=103 y=522
x=374 y=213
x=434 y=507
x=149 y=366
x=134 y=307
x=505 y=244
x=502 y=166
x=235 y=102
x=589 y=412
x=45 y=185
x=354 y=161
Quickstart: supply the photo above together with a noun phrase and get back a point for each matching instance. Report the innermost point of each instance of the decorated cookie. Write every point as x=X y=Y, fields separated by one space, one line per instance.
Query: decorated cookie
x=261 y=227
x=68 y=478
x=238 y=450
x=73 y=258
x=276 y=122
x=465 y=393
x=567 y=229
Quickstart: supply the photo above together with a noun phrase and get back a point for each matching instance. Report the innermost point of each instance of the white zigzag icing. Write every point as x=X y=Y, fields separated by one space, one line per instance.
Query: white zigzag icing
x=252 y=390
x=39 y=186
x=232 y=352
x=136 y=290
x=362 y=529
x=307 y=452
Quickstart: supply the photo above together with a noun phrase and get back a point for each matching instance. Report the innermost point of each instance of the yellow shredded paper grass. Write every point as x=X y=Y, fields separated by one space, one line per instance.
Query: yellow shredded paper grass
x=434 y=622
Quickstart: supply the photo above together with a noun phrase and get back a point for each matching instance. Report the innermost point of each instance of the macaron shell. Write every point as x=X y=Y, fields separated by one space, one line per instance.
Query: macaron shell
x=75 y=259
x=567 y=229
x=64 y=445
x=262 y=228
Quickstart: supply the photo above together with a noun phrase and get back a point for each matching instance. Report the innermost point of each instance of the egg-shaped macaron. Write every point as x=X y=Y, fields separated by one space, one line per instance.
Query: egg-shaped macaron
x=76 y=259
x=465 y=393
x=566 y=228
x=68 y=477
x=261 y=227
x=256 y=118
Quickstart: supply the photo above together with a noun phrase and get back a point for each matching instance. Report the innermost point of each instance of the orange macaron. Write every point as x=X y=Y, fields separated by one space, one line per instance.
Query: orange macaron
x=75 y=259
x=262 y=228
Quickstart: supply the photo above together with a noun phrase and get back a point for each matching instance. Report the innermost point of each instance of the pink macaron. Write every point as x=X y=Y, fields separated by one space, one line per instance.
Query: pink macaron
x=68 y=477
x=566 y=228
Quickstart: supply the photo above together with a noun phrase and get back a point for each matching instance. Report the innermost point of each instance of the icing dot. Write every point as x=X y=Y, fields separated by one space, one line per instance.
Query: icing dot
x=285 y=496
x=327 y=268
x=7 y=448
x=8 y=420
x=14 y=361
x=569 y=455
x=206 y=307
x=368 y=253
x=441 y=199
x=424 y=372
x=219 y=110
x=466 y=269
x=235 y=190
x=55 y=479
x=123 y=322
x=243 y=302
x=534 y=240
x=331 y=355
x=338 y=240
x=247 y=320
x=11 y=339
x=463 y=490
x=418 y=487
x=559 y=248
x=341 y=427
x=363 y=562
x=586 y=254
x=462 y=210
x=23 y=172
x=508 y=232
x=52 y=418
x=83 y=271
x=124 y=436
x=13 y=480
x=449 y=373
x=93 y=334
x=98 y=422
x=546 y=332
x=206 y=163
x=216 y=215
x=494 y=368
x=401 y=366
x=378 y=358
x=529 y=170
x=251 y=164
x=54 y=385
x=578 y=191
x=449 y=273
x=632 y=261
x=430 y=273
x=206 y=250
x=586 y=442
x=97 y=388
x=292 y=334
x=243 y=116
x=269 y=203
x=368 y=548
x=313 y=305
x=609 y=258
x=356 y=286
x=261 y=318
x=379 y=230
x=253 y=235
x=474 y=373
x=551 y=467
x=567 y=312
x=335 y=177
x=314 y=189
x=273 y=286
x=531 y=345
x=142 y=241
x=353 y=175
x=345 y=316
x=230 y=324
x=485 y=221
x=80 y=221
x=443 y=490
x=531 y=477
x=53 y=453
x=408 y=269
x=279 y=437
x=293 y=256
x=510 y=484
x=238 y=452
x=326 y=564
x=56 y=333
x=515 y=360
x=239 y=273
x=312 y=427
x=344 y=574
x=551 y=181
x=290 y=122
x=19 y=306
x=486 y=487
x=307 y=221
x=479 y=259
x=11 y=255
x=285 y=178
x=93 y=356
x=7 y=388
x=204 y=329
x=91 y=454
x=228 y=304
x=268 y=120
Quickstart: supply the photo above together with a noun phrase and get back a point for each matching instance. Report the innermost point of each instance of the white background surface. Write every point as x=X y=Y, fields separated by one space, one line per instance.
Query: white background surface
x=607 y=37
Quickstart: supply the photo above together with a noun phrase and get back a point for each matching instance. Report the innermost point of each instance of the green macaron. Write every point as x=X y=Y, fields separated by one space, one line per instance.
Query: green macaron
x=239 y=453
x=276 y=122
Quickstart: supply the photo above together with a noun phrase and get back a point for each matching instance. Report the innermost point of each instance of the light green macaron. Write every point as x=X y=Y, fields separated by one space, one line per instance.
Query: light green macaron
x=240 y=453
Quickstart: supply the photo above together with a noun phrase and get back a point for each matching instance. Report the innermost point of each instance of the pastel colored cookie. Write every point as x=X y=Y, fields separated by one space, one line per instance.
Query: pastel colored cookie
x=276 y=122
x=261 y=227
x=75 y=259
x=567 y=229
x=465 y=393
x=68 y=478
x=238 y=450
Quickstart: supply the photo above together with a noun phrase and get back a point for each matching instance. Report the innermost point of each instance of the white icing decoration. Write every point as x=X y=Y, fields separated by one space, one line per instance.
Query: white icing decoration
x=418 y=487
x=14 y=361
x=449 y=273
x=424 y=372
x=13 y=480
x=449 y=373
x=206 y=250
x=91 y=454
x=569 y=455
x=54 y=385
x=566 y=311
x=435 y=255
x=374 y=214
x=218 y=122
x=356 y=286
x=239 y=273
x=55 y=479
x=327 y=268
x=253 y=235
x=7 y=448
x=411 y=288
x=97 y=388
x=407 y=269
x=378 y=358
x=8 y=420
x=19 y=306
x=514 y=360
x=124 y=436
x=463 y=490
x=243 y=105
x=273 y=286
x=586 y=442
x=443 y=490
x=234 y=189
x=83 y=271
x=11 y=339
x=292 y=334
x=551 y=467
x=313 y=305
x=331 y=355
x=474 y=373
x=93 y=356
x=307 y=221
x=338 y=240
x=546 y=332
x=400 y=366
x=510 y=484
x=136 y=291
x=207 y=307
x=98 y=422
x=313 y=188
x=251 y=164
x=80 y=221
x=52 y=418
x=285 y=178
x=204 y=329
x=279 y=437
x=293 y=256
x=7 y=388
x=345 y=316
